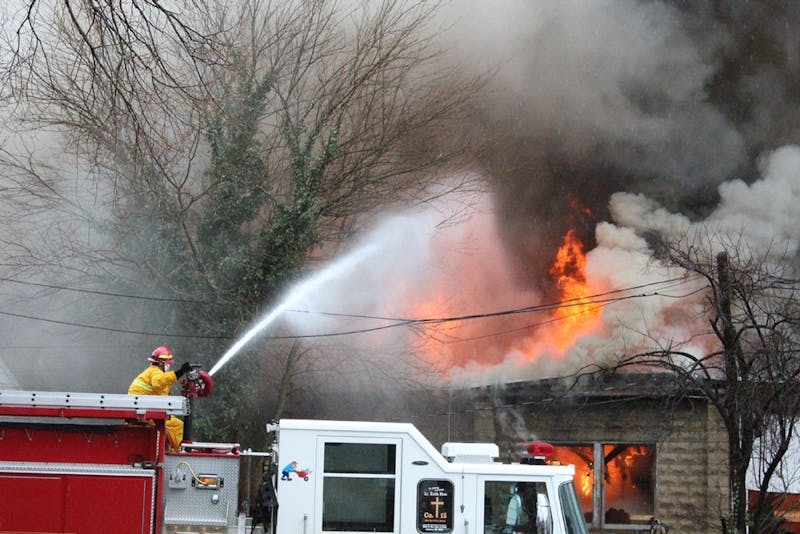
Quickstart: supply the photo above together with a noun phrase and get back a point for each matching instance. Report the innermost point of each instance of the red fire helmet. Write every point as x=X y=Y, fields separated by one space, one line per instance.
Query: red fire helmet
x=162 y=354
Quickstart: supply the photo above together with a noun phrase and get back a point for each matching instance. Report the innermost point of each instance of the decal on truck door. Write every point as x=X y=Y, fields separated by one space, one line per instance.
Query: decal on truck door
x=435 y=506
x=291 y=467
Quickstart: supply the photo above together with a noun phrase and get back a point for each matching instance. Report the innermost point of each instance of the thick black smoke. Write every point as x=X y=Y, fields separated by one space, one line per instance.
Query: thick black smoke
x=668 y=99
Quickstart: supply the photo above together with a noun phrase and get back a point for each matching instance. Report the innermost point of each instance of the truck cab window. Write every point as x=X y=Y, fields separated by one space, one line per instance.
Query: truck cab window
x=517 y=508
x=358 y=492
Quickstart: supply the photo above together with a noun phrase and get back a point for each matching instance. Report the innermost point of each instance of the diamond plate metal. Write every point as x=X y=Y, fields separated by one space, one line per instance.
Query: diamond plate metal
x=186 y=504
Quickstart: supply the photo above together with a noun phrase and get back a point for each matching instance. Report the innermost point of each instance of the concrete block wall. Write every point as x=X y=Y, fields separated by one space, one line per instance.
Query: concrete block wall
x=691 y=474
x=717 y=486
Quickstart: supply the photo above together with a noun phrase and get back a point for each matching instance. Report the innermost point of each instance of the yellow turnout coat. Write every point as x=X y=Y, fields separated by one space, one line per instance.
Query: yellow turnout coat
x=154 y=381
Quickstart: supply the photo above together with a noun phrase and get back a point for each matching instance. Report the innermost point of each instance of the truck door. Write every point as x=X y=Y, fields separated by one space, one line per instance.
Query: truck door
x=515 y=507
x=71 y=498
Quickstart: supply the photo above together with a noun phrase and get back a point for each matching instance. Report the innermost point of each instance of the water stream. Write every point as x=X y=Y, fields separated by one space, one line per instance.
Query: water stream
x=298 y=292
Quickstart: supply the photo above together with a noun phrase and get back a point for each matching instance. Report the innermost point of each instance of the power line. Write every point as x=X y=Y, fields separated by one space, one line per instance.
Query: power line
x=528 y=326
x=596 y=305
x=206 y=302
x=107 y=293
x=671 y=282
x=110 y=329
x=583 y=301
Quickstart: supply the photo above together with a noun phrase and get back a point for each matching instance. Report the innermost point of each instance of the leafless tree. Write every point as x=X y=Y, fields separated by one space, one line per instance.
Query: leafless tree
x=196 y=125
x=750 y=369
x=360 y=80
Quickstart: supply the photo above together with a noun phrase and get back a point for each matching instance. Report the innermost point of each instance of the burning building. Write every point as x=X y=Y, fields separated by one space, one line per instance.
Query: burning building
x=638 y=452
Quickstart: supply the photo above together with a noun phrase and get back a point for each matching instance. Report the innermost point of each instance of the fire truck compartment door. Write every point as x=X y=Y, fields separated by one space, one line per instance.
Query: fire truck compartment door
x=70 y=498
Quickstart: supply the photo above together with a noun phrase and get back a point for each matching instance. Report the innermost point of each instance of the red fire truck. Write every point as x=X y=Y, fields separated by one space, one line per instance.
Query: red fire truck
x=97 y=463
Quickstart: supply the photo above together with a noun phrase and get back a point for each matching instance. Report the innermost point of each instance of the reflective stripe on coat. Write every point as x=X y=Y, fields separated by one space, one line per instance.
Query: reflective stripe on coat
x=152 y=381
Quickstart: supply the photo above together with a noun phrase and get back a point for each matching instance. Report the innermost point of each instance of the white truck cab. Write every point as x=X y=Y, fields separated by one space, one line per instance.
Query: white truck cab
x=344 y=476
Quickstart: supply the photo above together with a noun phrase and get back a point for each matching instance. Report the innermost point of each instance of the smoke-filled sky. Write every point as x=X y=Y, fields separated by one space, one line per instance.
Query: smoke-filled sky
x=613 y=118
x=668 y=99
x=609 y=117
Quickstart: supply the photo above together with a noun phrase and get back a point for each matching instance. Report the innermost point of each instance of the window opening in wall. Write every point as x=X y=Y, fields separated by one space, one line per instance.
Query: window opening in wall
x=358 y=492
x=627 y=482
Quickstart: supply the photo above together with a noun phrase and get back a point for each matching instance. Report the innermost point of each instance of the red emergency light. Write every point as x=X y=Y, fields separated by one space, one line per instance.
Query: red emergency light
x=539 y=449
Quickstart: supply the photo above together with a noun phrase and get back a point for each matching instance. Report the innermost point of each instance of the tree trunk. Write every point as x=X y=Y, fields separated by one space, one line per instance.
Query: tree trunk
x=738 y=451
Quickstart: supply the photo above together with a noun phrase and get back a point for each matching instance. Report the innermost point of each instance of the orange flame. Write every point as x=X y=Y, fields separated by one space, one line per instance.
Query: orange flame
x=490 y=340
x=578 y=315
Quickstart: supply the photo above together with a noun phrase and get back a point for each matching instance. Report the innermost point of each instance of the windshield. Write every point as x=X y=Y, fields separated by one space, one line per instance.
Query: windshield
x=571 y=509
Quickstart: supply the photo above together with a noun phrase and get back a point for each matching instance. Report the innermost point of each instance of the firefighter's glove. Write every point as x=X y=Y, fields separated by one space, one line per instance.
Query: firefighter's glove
x=183 y=369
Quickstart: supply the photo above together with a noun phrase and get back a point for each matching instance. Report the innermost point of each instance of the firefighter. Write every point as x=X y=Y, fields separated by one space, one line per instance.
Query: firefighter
x=156 y=380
